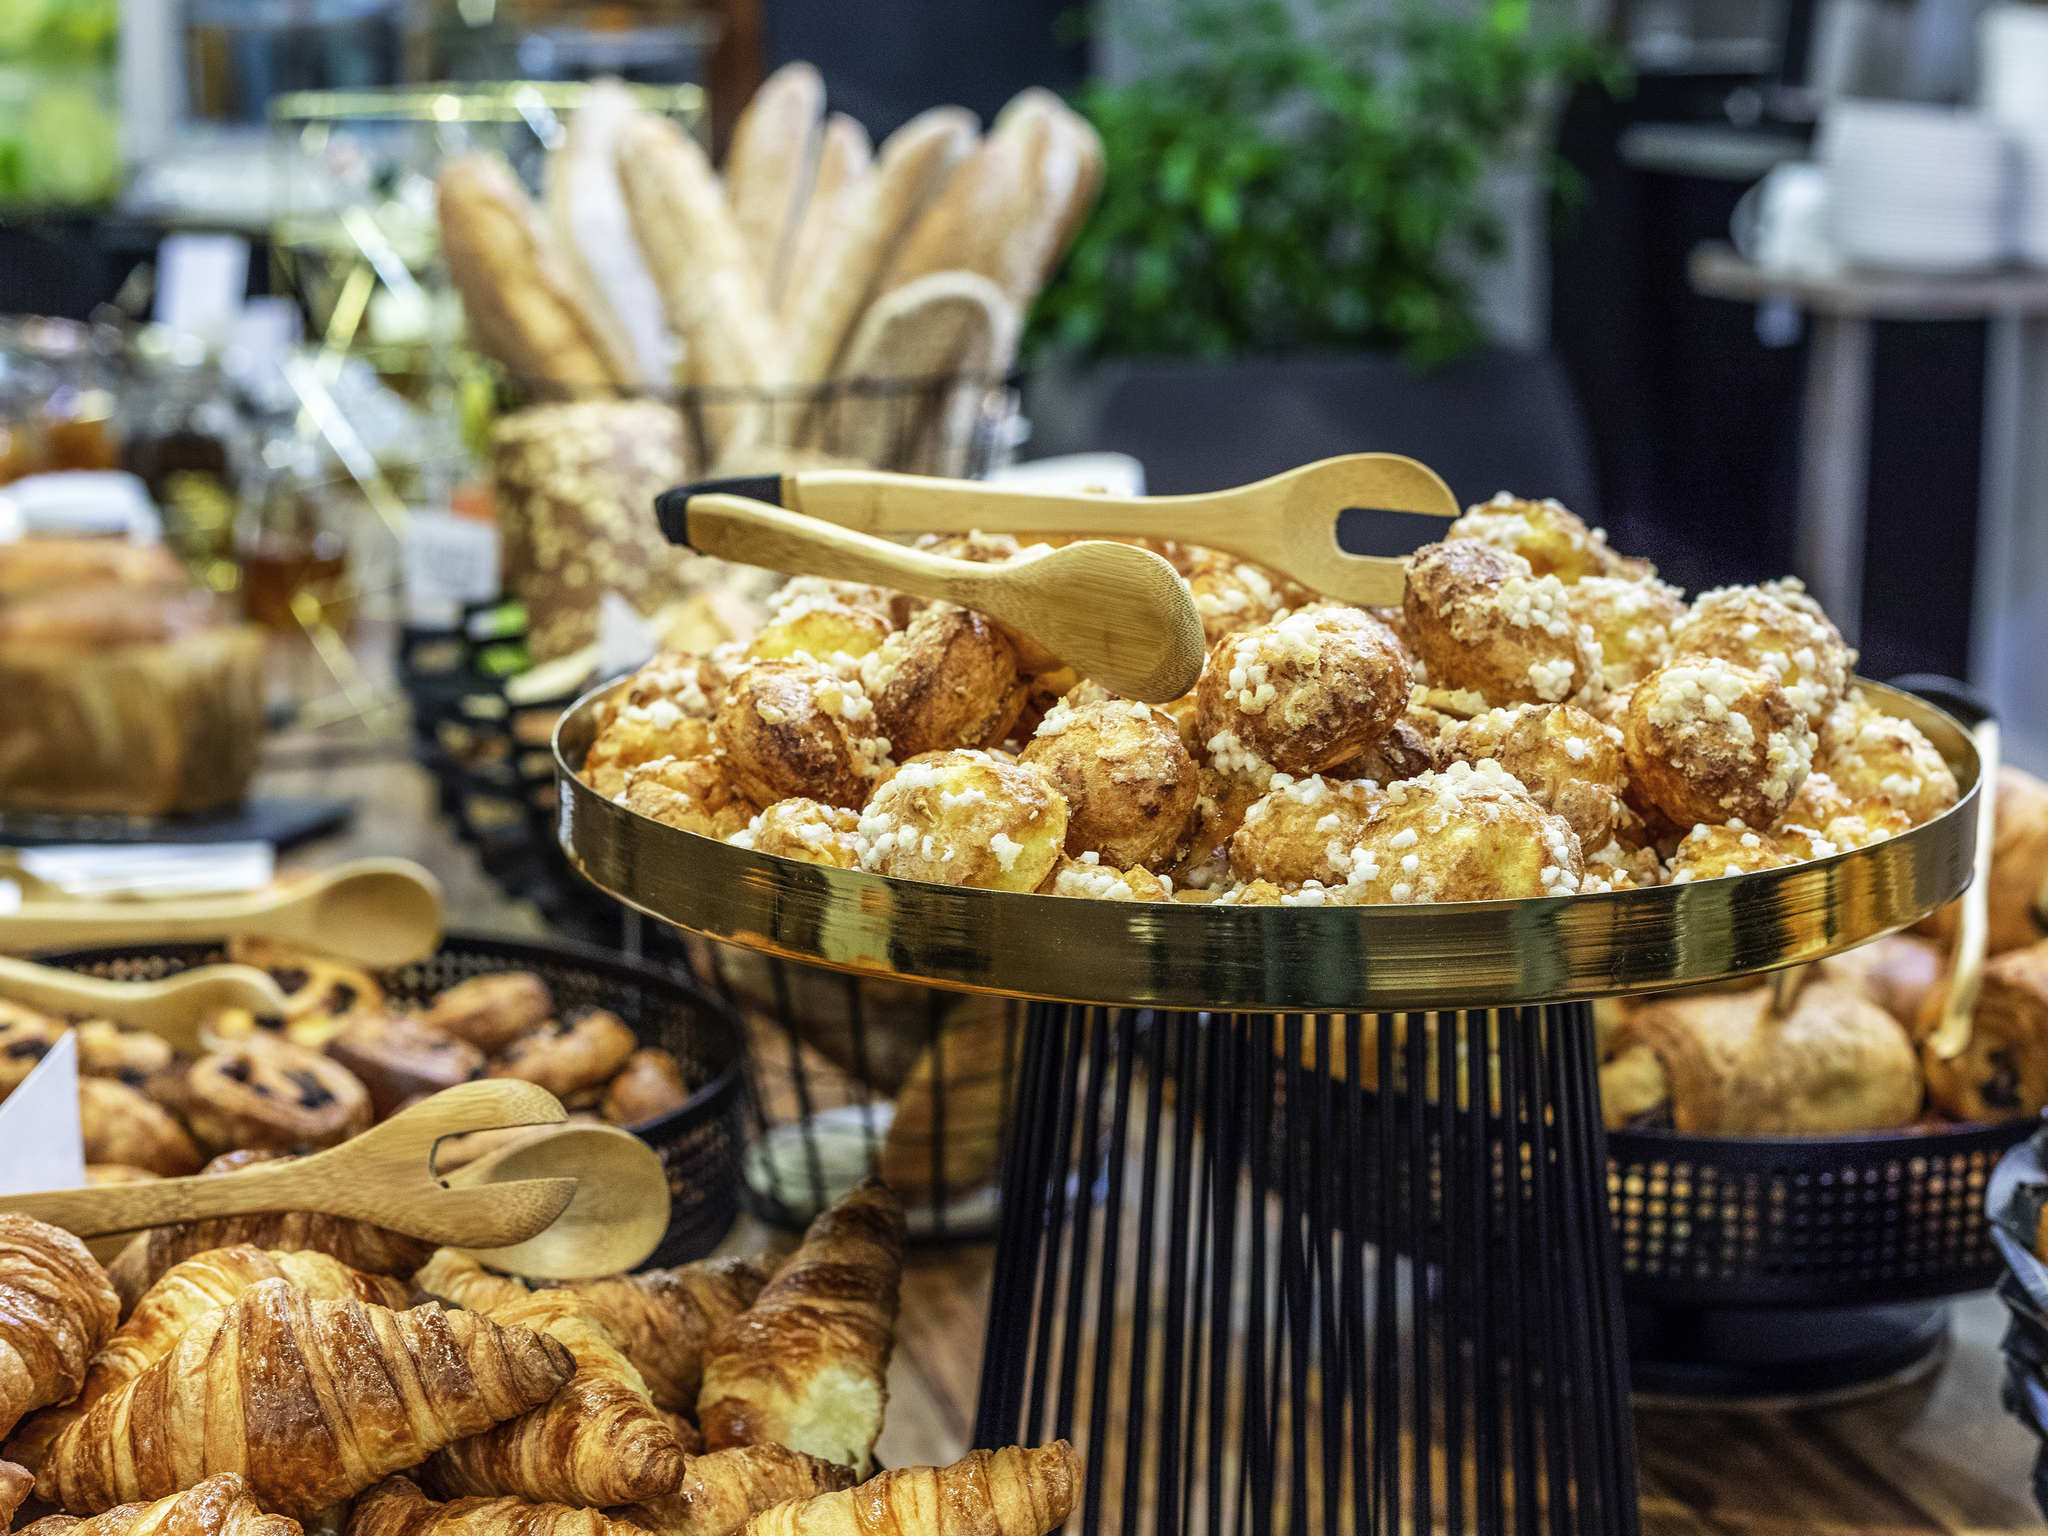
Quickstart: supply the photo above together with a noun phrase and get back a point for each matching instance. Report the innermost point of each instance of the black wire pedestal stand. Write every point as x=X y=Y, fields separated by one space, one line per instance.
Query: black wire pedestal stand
x=1305 y=1221
x=1341 y=1310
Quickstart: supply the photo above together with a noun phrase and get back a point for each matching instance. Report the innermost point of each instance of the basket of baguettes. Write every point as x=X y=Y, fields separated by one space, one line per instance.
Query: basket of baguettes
x=812 y=297
x=270 y=1374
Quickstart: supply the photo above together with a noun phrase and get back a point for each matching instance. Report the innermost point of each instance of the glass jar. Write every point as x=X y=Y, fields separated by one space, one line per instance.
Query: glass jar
x=294 y=559
x=181 y=444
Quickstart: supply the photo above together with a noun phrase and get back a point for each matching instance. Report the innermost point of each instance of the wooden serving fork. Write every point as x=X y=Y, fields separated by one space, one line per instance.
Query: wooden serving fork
x=384 y=1176
x=1382 y=505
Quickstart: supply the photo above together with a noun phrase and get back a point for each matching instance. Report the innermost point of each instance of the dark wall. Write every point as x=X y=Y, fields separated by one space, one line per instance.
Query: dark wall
x=886 y=60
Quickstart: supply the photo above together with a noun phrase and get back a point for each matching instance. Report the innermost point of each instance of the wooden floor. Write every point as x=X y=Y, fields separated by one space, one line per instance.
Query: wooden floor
x=1940 y=1456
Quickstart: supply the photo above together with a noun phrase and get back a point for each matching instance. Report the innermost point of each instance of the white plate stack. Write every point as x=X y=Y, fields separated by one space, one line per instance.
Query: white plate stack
x=1916 y=188
x=2012 y=45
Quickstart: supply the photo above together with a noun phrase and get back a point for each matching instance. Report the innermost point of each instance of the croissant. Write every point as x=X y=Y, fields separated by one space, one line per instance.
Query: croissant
x=396 y=1507
x=1011 y=1492
x=188 y=1290
x=665 y=1318
x=807 y=1365
x=357 y=1244
x=56 y=1309
x=214 y=1506
x=16 y=1483
x=599 y=1440
x=311 y=1401
x=458 y=1279
x=721 y=1492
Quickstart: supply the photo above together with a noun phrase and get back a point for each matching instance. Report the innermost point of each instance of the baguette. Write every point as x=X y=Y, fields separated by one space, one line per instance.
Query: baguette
x=1072 y=175
x=710 y=290
x=827 y=298
x=845 y=158
x=587 y=215
x=769 y=166
x=930 y=329
x=524 y=305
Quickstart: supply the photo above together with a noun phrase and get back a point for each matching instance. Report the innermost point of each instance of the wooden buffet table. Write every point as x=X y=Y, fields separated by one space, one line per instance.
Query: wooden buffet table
x=1938 y=1455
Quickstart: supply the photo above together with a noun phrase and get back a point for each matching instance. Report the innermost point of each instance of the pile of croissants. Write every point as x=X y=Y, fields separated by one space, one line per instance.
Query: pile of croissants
x=808 y=259
x=267 y=1375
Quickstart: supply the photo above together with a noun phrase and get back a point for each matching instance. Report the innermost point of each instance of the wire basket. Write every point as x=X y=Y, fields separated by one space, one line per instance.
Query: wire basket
x=849 y=1076
x=699 y=1143
x=2016 y=1198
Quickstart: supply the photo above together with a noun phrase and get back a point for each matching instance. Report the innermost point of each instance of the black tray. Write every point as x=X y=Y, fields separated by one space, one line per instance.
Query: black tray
x=699 y=1143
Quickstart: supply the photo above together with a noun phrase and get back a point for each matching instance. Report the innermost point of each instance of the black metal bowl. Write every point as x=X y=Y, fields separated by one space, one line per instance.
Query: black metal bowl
x=700 y=1143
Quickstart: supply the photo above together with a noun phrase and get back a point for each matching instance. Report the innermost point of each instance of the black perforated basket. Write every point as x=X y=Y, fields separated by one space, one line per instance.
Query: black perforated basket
x=699 y=1143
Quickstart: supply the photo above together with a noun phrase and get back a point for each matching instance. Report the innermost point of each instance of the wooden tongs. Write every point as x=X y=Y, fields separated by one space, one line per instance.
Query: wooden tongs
x=1117 y=613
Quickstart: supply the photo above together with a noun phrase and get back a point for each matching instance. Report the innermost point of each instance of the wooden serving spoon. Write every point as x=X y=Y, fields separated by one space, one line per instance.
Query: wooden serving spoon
x=171 y=1007
x=1117 y=613
x=383 y=1176
x=1388 y=506
x=376 y=912
x=617 y=1217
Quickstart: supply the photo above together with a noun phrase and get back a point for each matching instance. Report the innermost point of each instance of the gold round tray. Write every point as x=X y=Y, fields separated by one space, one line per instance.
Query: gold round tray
x=1372 y=959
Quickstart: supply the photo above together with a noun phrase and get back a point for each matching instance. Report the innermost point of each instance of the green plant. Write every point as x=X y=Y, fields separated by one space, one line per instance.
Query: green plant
x=1278 y=182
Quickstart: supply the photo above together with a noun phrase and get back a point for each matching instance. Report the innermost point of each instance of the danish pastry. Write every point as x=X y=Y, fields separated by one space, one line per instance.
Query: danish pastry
x=964 y=818
x=26 y=1037
x=1306 y=692
x=1836 y=1063
x=1302 y=830
x=1234 y=595
x=492 y=1011
x=1546 y=533
x=570 y=1054
x=400 y=1056
x=1480 y=618
x=1631 y=622
x=949 y=680
x=1090 y=877
x=799 y=728
x=2002 y=1074
x=132 y=1056
x=797 y=828
x=1772 y=629
x=1711 y=851
x=272 y=1095
x=2016 y=897
x=319 y=991
x=121 y=1124
x=694 y=793
x=644 y=733
x=1890 y=759
x=1569 y=762
x=1463 y=834
x=1711 y=741
x=647 y=1087
x=1128 y=781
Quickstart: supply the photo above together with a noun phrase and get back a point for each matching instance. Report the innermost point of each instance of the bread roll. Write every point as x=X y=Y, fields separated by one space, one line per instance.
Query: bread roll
x=1835 y=1063
x=845 y=158
x=826 y=298
x=929 y=330
x=771 y=161
x=1898 y=973
x=587 y=214
x=2017 y=896
x=525 y=305
x=710 y=288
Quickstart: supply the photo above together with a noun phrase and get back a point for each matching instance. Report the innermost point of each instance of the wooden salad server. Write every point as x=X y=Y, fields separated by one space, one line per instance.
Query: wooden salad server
x=375 y=912
x=1388 y=507
x=617 y=1218
x=1115 y=612
x=384 y=1176
x=171 y=1007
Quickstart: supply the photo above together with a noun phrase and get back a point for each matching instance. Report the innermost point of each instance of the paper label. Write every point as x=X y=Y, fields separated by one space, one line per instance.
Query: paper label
x=201 y=281
x=449 y=561
x=45 y=1148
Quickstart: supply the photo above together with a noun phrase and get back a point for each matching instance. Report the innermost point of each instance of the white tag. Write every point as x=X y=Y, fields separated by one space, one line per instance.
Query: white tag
x=200 y=283
x=152 y=869
x=39 y=1126
x=449 y=561
x=624 y=639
